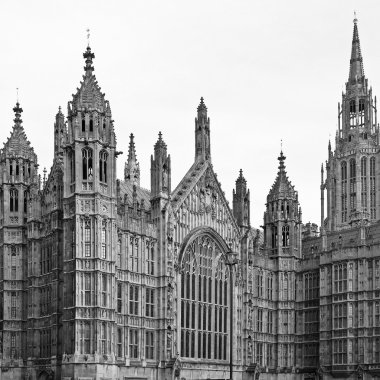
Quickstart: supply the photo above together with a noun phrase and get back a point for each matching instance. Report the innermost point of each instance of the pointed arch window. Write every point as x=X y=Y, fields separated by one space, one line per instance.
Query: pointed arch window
x=72 y=165
x=344 y=191
x=17 y=168
x=103 y=156
x=285 y=236
x=87 y=168
x=83 y=125
x=13 y=204
x=26 y=196
x=352 y=184
x=363 y=180
x=352 y=114
x=203 y=301
x=372 y=184
x=10 y=167
x=274 y=237
x=361 y=113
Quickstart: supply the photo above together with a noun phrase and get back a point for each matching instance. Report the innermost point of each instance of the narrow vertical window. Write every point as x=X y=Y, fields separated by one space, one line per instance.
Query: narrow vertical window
x=83 y=125
x=91 y=125
x=103 y=338
x=344 y=190
x=149 y=305
x=87 y=289
x=361 y=113
x=104 y=240
x=352 y=185
x=372 y=179
x=103 y=156
x=10 y=167
x=133 y=343
x=87 y=238
x=72 y=166
x=26 y=195
x=13 y=200
x=13 y=263
x=87 y=170
x=86 y=337
x=119 y=343
x=119 y=297
x=352 y=114
x=363 y=169
x=104 y=290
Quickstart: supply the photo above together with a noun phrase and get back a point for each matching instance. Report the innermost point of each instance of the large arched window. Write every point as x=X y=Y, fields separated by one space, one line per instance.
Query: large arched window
x=352 y=114
x=372 y=181
x=87 y=163
x=13 y=195
x=344 y=191
x=352 y=184
x=363 y=180
x=103 y=166
x=204 y=301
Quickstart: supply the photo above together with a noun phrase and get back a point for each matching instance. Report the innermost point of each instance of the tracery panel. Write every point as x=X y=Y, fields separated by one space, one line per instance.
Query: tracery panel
x=204 y=301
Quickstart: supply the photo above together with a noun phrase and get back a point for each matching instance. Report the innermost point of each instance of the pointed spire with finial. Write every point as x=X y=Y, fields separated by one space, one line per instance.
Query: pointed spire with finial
x=241 y=201
x=202 y=109
x=356 y=61
x=132 y=167
x=89 y=56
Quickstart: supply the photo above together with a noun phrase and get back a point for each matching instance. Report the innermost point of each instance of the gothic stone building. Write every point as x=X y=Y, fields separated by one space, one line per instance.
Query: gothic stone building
x=103 y=279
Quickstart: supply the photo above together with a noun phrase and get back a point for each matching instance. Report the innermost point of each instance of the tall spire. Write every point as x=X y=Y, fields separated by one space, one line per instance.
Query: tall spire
x=356 y=61
x=132 y=167
x=202 y=134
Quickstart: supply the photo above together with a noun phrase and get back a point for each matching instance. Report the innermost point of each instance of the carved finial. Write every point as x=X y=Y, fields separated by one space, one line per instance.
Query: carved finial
x=355 y=18
x=88 y=36
x=17 y=94
x=281 y=145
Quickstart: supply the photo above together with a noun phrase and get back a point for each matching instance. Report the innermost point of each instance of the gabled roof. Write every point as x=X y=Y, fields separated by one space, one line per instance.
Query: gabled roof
x=191 y=179
x=126 y=187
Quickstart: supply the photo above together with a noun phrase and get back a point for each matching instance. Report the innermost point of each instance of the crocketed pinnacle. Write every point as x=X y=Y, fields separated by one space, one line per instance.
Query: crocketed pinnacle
x=356 y=61
x=282 y=187
x=132 y=149
x=241 y=179
x=89 y=56
x=132 y=167
x=202 y=109
x=160 y=144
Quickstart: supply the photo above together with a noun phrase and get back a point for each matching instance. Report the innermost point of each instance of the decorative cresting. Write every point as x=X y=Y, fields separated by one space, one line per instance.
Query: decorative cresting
x=204 y=297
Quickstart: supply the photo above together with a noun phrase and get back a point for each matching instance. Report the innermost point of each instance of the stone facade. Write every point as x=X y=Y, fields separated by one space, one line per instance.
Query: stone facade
x=103 y=279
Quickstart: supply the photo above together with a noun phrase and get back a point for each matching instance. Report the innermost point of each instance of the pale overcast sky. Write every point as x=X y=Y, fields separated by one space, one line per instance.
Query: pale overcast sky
x=267 y=70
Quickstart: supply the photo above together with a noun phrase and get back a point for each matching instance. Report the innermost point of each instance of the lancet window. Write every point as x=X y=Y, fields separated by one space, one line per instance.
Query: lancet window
x=13 y=200
x=26 y=195
x=87 y=164
x=352 y=114
x=352 y=185
x=344 y=191
x=285 y=236
x=103 y=166
x=72 y=166
x=204 y=301
x=363 y=169
x=361 y=113
x=274 y=237
x=372 y=180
